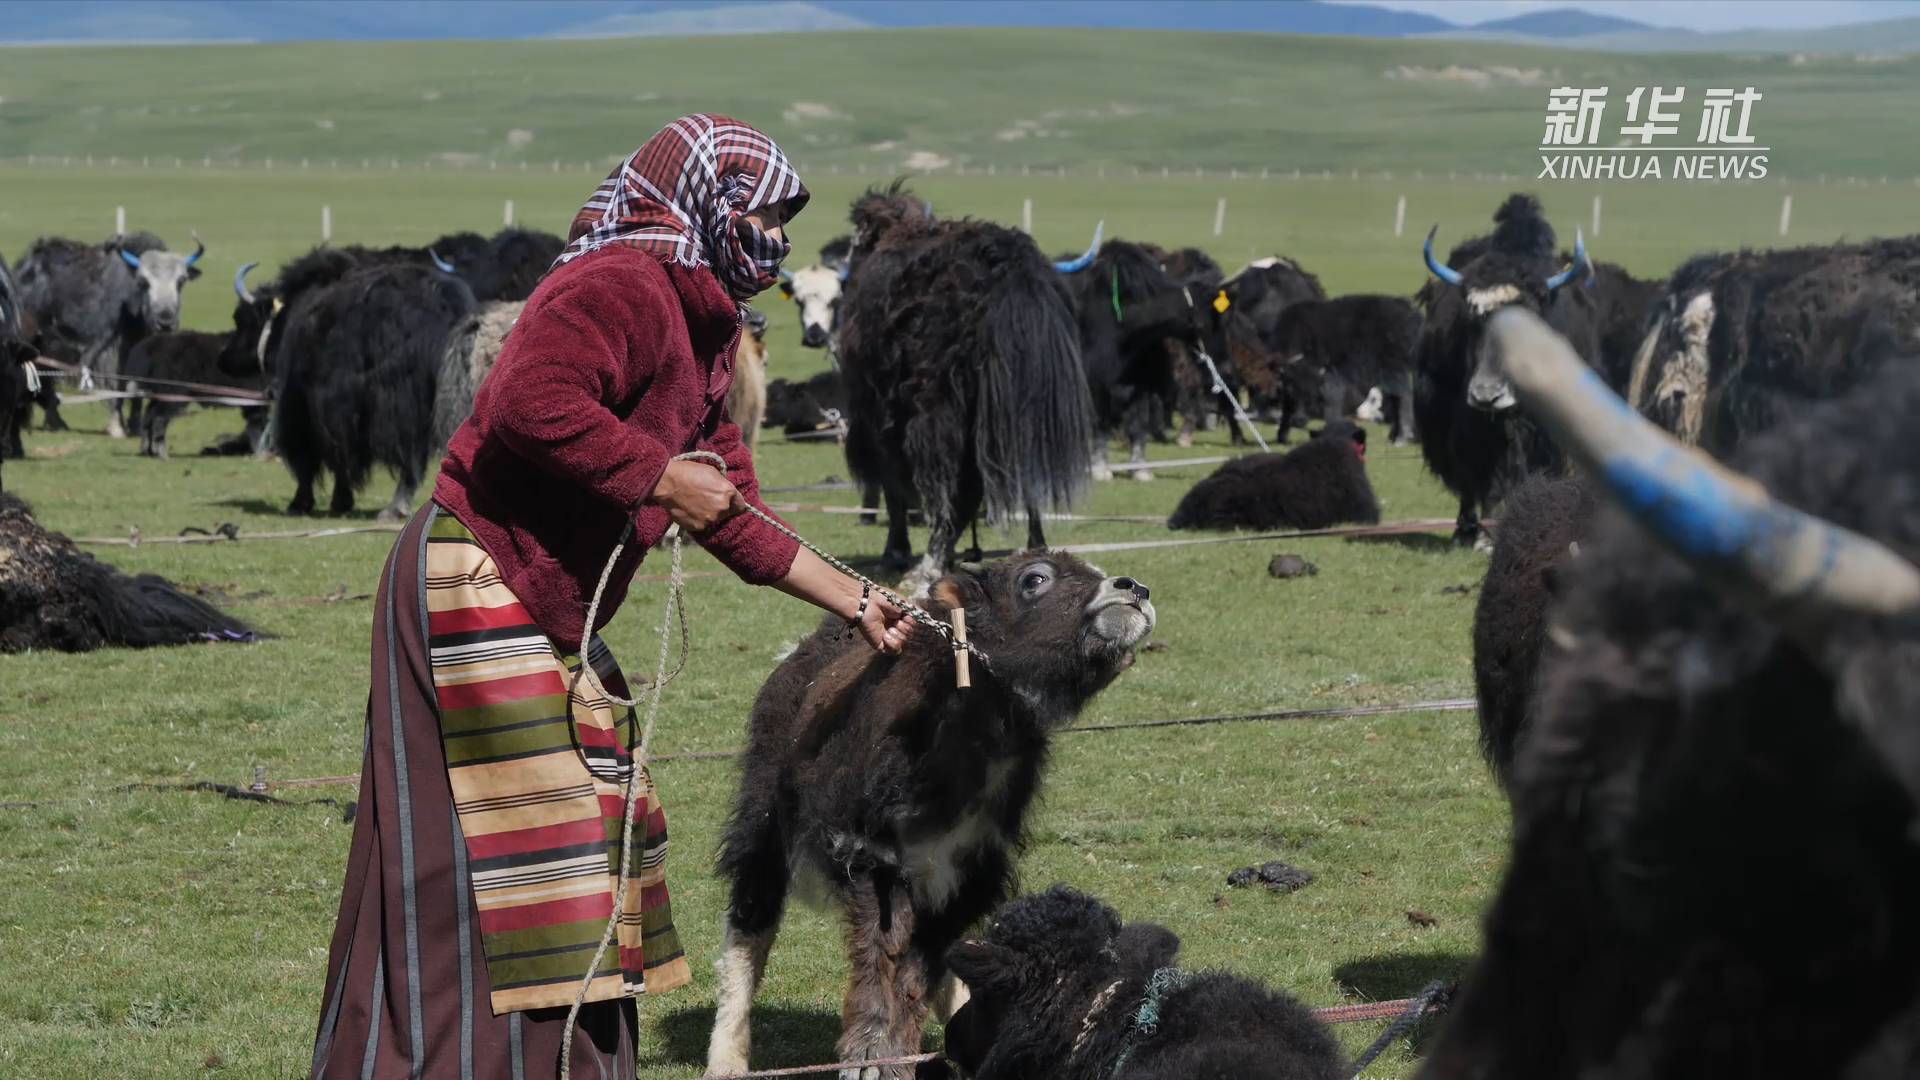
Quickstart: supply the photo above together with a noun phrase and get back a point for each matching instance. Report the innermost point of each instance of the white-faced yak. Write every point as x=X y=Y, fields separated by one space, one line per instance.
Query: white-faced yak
x=877 y=786
x=55 y=596
x=1716 y=842
x=1059 y=988
x=1315 y=486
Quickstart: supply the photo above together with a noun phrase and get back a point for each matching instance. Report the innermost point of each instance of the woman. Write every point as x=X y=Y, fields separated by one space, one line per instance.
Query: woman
x=486 y=853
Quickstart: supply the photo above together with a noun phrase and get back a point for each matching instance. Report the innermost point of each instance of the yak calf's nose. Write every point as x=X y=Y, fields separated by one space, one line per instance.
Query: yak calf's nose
x=1127 y=584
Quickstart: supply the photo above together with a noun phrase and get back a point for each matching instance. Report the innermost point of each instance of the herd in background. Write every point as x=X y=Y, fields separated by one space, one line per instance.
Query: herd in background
x=1701 y=707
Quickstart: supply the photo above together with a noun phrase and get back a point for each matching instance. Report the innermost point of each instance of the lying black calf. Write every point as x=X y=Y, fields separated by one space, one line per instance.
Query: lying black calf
x=1061 y=989
x=1320 y=484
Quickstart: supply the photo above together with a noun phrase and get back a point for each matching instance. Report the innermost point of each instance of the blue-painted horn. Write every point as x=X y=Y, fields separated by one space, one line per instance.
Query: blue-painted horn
x=444 y=266
x=130 y=258
x=1797 y=569
x=240 y=282
x=1581 y=264
x=199 y=249
x=846 y=268
x=1074 y=266
x=1440 y=270
x=786 y=274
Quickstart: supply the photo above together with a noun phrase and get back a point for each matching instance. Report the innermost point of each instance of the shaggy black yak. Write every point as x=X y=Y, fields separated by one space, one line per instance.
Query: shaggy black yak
x=1315 y=486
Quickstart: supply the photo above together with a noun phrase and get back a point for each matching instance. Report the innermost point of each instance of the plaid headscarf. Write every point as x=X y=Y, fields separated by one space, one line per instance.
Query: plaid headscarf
x=681 y=195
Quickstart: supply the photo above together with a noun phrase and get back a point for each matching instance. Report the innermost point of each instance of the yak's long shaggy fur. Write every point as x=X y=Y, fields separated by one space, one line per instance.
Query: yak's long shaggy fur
x=1056 y=981
x=15 y=398
x=1624 y=305
x=1539 y=525
x=1715 y=866
x=516 y=261
x=358 y=364
x=747 y=397
x=185 y=356
x=876 y=782
x=1130 y=370
x=1739 y=342
x=470 y=352
x=1331 y=352
x=1315 y=486
x=963 y=372
x=1481 y=455
x=55 y=596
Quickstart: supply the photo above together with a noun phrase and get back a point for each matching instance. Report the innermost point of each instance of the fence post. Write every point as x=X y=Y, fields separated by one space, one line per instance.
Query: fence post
x=1786 y=214
x=119 y=221
x=1220 y=216
x=507 y=215
x=1596 y=215
x=1026 y=216
x=326 y=223
x=1400 y=216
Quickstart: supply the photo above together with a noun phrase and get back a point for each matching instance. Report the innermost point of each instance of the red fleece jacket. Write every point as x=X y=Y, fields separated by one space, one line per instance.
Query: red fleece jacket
x=619 y=362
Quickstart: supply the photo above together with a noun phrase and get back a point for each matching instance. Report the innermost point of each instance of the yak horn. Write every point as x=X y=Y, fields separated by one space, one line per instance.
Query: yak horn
x=786 y=274
x=1073 y=266
x=846 y=269
x=443 y=265
x=1581 y=264
x=240 y=282
x=1440 y=270
x=130 y=258
x=1805 y=572
x=199 y=249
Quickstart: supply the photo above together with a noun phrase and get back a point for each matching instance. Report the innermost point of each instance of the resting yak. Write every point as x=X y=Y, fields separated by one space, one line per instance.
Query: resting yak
x=55 y=596
x=1716 y=842
x=901 y=799
x=1321 y=484
x=355 y=372
x=964 y=383
x=91 y=304
x=1470 y=435
x=1739 y=342
x=1056 y=984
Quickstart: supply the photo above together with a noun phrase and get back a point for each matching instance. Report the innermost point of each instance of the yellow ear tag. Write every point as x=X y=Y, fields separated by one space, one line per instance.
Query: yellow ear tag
x=1221 y=303
x=278 y=304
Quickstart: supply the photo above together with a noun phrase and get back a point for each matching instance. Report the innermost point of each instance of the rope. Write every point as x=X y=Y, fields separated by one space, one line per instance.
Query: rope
x=1416 y=1007
x=62 y=368
x=1220 y=386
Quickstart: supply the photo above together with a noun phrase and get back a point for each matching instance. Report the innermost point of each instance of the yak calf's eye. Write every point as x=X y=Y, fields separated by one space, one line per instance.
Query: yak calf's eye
x=1035 y=581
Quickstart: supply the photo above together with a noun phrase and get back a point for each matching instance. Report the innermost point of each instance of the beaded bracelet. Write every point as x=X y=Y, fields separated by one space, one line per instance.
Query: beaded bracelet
x=860 y=613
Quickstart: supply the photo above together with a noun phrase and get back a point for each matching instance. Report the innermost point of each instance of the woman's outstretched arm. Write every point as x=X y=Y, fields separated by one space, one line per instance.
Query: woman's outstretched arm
x=884 y=626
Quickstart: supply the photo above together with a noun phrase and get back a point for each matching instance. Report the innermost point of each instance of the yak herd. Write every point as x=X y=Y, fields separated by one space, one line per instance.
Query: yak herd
x=1696 y=650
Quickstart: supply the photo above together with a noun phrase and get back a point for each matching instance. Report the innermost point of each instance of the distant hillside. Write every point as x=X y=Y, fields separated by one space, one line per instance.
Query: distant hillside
x=1001 y=99
x=1561 y=23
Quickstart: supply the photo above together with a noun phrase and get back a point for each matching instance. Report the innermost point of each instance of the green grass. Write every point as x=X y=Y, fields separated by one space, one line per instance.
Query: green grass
x=161 y=934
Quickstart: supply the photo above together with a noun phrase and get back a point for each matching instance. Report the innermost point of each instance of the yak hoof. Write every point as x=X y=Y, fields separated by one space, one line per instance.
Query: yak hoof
x=115 y=429
x=1184 y=440
x=390 y=515
x=1102 y=473
x=1483 y=543
x=1144 y=476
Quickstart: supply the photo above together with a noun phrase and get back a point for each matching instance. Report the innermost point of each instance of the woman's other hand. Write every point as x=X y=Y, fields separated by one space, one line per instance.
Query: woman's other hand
x=696 y=495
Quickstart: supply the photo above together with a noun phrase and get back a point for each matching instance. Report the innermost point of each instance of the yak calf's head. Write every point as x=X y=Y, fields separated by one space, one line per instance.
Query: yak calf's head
x=1514 y=267
x=1043 y=962
x=815 y=290
x=1053 y=625
x=159 y=276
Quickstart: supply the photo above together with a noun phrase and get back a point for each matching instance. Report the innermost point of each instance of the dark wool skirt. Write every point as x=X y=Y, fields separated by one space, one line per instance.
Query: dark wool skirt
x=407 y=991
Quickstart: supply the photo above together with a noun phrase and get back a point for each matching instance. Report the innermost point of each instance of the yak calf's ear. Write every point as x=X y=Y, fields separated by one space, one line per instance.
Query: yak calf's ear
x=965 y=586
x=1146 y=946
x=193 y=273
x=982 y=965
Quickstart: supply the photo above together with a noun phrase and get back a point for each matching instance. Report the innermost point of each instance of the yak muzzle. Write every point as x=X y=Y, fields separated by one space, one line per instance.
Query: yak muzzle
x=1121 y=613
x=813 y=336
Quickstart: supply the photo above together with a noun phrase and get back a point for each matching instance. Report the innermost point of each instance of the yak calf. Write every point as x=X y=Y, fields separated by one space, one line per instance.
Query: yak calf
x=1321 y=484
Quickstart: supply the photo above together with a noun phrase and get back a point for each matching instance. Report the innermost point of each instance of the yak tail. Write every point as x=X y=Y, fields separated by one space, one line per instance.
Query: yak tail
x=453 y=391
x=148 y=610
x=1033 y=429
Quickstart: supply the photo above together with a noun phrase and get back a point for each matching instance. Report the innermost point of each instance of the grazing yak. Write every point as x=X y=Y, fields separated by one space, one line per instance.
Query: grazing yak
x=964 y=383
x=1332 y=353
x=1541 y=526
x=91 y=304
x=875 y=784
x=355 y=376
x=1057 y=986
x=468 y=356
x=1470 y=435
x=1135 y=322
x=1739 y=342
x=815 y=290
x=1716 y=842
x=1315 y=486
x=747 y=398
x=55 y=596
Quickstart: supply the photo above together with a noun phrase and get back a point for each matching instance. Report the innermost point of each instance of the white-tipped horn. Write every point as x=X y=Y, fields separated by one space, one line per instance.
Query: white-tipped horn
x=1806 y=572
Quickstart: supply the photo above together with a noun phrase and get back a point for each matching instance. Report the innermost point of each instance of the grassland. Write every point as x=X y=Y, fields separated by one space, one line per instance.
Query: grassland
x=165 y=934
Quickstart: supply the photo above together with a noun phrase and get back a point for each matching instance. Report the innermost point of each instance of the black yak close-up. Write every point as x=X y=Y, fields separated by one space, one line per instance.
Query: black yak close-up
x=1470 y=434
x=877 y=786
x=1058 y=986
x=1714 y=863
x=1540 y=528
x=964 y=383
x=55 y=596
x=1314 y=486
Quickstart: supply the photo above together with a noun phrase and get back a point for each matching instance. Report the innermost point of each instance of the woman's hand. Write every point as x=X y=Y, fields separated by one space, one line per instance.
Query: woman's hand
x=882 y=624
x=696 y=495
x=885 y=626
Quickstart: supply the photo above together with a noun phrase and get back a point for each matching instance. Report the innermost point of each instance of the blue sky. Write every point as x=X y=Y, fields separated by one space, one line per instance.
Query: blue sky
x=1707 y=15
